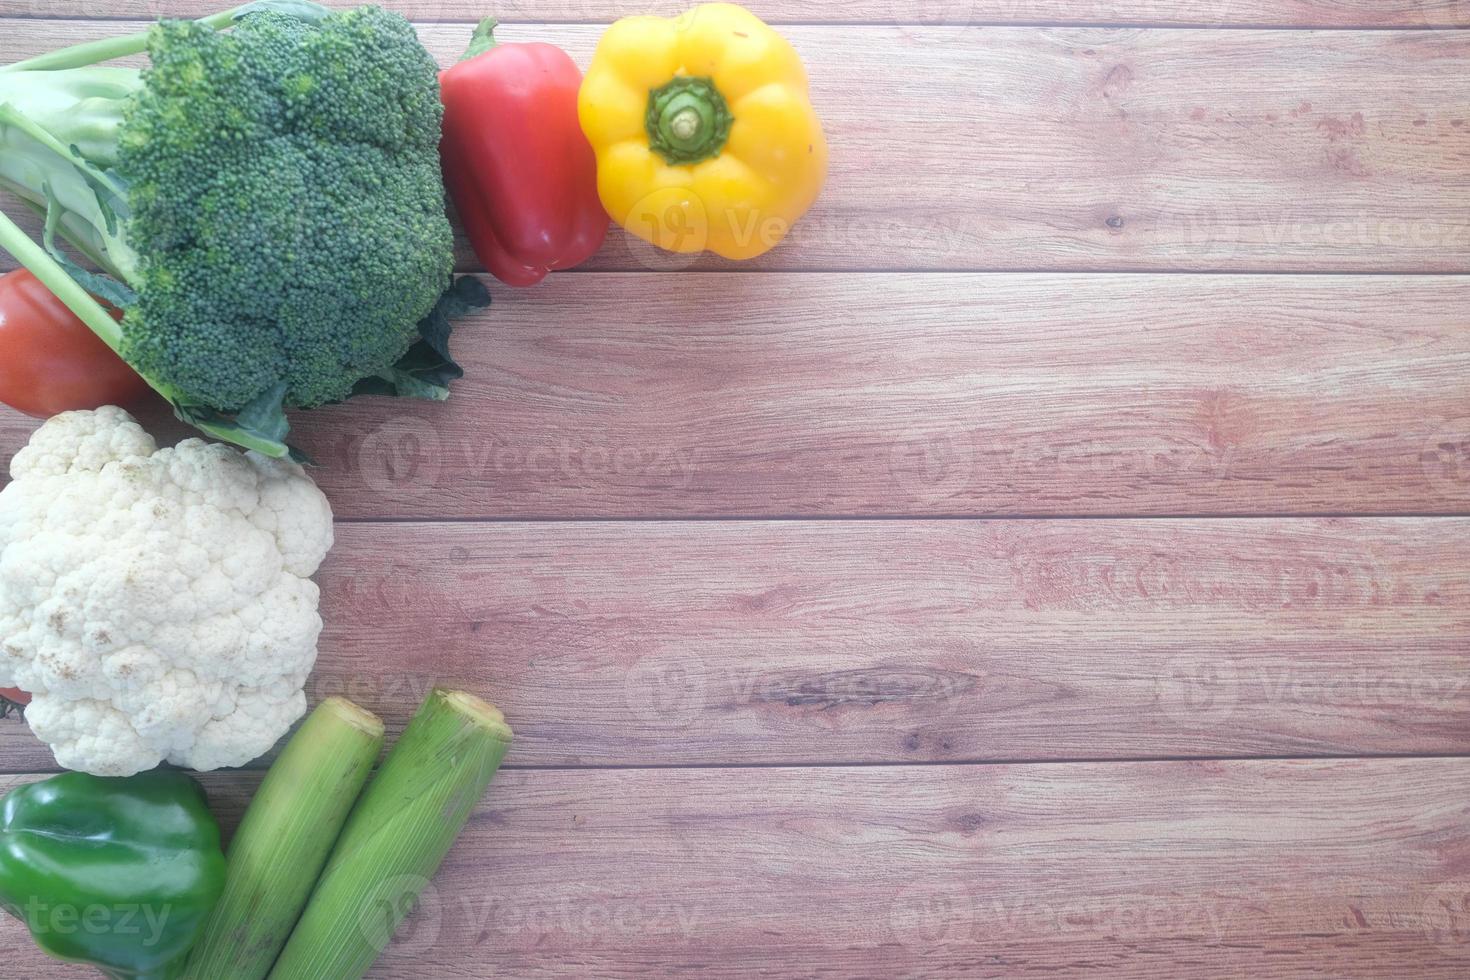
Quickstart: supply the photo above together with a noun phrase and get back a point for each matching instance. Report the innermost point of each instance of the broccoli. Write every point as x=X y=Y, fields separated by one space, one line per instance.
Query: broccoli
x=265 y=204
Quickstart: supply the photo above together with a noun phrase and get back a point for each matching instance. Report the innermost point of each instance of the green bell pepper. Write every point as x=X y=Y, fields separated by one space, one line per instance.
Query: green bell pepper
x=117 y=873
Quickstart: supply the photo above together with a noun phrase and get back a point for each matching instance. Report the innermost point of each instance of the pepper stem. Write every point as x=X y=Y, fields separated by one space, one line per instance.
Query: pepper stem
x=482 y=40
x=685 y=124
x=688 y=120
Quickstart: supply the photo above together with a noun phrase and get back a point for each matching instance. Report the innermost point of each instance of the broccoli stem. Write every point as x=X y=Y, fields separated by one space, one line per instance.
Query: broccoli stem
x=58 y=136
x=99 y=180
x=94 y=52
x=99 y=259
x=55 y=278
x=45 y=268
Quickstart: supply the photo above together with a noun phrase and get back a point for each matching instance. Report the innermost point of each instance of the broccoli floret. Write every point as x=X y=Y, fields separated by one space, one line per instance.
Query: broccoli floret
x=274 y=204
x=293 y=168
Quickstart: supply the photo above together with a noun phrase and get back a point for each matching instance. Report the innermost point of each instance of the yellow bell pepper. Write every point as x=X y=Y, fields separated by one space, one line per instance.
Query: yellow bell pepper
x=704 y=131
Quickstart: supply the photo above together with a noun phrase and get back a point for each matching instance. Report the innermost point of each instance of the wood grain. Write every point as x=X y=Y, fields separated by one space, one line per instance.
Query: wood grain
x=742 y=643
x=926 y=13
x=1087 y=149
x=1262 y=869
x=773 y=395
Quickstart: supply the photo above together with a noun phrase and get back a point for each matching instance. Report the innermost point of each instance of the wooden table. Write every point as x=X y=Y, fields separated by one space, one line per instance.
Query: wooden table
x=1054 y=560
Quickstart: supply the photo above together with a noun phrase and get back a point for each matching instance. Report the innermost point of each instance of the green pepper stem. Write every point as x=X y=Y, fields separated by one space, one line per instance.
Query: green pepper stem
x=482 y=40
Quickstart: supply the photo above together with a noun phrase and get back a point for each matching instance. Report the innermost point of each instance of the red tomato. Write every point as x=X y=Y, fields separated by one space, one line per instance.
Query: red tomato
x=15 y=694
x=50 y=361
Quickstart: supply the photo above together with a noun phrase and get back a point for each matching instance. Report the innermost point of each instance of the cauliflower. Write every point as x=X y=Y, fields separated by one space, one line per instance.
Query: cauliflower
x=157 y=603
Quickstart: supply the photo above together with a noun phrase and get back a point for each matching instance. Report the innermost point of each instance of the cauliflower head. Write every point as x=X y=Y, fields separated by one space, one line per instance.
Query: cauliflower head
x=157 y=603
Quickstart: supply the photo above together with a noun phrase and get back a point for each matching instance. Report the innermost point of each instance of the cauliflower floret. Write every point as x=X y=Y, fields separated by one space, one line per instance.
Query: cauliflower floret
x=157 y=603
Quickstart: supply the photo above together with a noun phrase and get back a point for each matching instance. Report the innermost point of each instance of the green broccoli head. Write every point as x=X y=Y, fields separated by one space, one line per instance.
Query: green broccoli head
x=286 y=205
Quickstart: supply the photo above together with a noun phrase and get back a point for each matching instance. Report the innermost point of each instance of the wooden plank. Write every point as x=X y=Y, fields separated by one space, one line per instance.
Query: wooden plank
x=1261 y=869
x=935 y=14
x=1087 y=149
x=801 y=642
x=797 y=394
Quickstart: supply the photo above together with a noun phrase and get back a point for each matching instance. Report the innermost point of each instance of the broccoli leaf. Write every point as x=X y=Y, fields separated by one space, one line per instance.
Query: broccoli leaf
x=266 y=415
x=261 y=425
x=428 y=367
x=464 y=296
x=106 y=288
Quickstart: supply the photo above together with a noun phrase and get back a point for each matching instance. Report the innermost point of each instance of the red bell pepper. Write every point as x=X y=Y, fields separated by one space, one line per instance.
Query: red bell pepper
x=520 y=171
